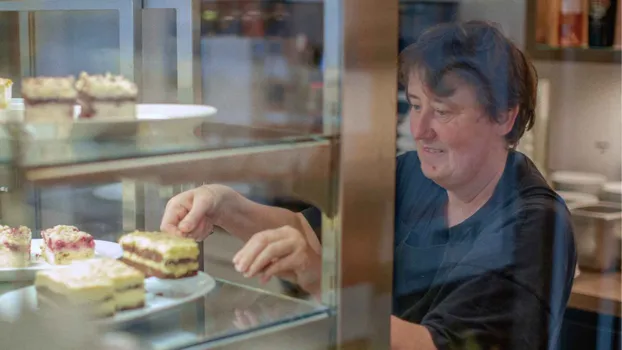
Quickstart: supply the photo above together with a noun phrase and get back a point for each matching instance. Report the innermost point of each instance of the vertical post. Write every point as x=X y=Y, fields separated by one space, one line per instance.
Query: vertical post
x=130 y=40
x=26 y=43
x=367 y=172
x=133 y=205
x=188 y=26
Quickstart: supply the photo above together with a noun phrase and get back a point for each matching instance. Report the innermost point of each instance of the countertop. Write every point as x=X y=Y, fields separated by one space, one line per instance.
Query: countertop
x=597 y=292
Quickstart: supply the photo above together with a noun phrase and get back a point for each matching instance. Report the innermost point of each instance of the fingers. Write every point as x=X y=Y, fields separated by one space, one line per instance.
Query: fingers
x=260 y=250
x=186 y=214
x=198 y=210
x=173 y=214
x=269 y=255
x=283 y=266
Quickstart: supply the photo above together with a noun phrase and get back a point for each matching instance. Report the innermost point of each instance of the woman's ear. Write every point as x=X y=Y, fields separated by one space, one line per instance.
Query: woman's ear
x=506 y=121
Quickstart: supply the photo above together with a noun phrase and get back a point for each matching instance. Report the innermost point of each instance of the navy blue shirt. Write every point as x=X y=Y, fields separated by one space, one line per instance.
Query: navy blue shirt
x=498 y=280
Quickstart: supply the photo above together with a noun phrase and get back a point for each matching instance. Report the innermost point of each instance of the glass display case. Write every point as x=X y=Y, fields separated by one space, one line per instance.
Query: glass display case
x=291 y=103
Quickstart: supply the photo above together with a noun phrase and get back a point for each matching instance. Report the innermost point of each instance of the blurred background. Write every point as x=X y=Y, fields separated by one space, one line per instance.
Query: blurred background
x=263 y=63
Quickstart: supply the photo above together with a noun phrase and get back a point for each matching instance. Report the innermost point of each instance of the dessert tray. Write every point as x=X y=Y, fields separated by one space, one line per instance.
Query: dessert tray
x=151 y=120
x=161 y=295
x=102 y=249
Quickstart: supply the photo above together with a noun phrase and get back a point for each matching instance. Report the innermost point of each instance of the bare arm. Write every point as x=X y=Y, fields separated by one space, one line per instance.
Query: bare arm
x=410 y=336
x=243 y=218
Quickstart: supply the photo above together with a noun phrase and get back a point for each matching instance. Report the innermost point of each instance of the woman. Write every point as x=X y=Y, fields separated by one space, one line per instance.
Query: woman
x=484 y=250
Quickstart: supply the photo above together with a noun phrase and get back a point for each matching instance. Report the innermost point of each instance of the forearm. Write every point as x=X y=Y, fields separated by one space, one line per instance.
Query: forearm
x=243 y=218
x=410 y=336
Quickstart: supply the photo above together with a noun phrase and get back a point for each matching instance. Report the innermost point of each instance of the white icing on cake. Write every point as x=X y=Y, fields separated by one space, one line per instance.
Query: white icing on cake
x=48 y=88
x=106 y=86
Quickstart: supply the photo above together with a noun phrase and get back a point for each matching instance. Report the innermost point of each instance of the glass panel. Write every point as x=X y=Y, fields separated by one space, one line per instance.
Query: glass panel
x=217 y=80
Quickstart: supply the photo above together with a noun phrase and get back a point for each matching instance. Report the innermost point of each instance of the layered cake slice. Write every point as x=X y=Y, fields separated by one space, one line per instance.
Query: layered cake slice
x=14 y=246
x=106 y=96
x=6 y=93
x=76 y=287
x=128 y=282
x=49 y=99
x=161 y=255
x=64 y=244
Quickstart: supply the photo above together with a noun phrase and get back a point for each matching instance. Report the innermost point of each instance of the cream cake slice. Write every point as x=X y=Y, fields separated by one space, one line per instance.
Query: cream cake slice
x=128 y=282
x=106 y=96
x=48 y=99
x=77 y=287
x=161 y=255
x=15 y=246
x=6 y=93
x=63 y=244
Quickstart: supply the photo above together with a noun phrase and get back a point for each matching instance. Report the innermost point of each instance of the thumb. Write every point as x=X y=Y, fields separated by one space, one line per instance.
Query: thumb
x=198 y=212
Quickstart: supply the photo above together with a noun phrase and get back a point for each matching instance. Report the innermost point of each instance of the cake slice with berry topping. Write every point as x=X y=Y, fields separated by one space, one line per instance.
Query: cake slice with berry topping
x=49 y=99
x=63 y=244
x=106 y=96
x=14 y=246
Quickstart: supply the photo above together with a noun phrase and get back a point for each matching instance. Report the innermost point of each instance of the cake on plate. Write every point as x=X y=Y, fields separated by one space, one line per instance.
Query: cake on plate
x=161 y=255
x=14 y=246
x=6 y=93
x=106 y=96
x=48 y=99
x=128 y=282
x=63 y=244
x=78 y=287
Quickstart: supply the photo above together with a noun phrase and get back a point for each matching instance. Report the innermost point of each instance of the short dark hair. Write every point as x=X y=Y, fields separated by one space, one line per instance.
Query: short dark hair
x=479 y=54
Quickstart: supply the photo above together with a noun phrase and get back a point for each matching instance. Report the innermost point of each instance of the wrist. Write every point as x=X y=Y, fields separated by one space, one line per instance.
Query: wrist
x=225 y=205
x=310 y=279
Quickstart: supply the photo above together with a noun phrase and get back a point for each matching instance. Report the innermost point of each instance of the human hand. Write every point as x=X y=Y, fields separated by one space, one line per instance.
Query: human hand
x=194 y=213
x=284 y=253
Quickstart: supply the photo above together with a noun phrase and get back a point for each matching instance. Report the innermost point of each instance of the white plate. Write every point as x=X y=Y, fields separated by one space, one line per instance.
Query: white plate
x=151 y=120
x=161 y=295
x=102 y=249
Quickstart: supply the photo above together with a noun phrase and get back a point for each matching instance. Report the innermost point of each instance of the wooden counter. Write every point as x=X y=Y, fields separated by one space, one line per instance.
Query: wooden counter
x=597 y=292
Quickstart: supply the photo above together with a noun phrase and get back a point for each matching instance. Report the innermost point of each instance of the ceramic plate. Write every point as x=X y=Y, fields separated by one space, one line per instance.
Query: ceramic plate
x=161 y=295
x=152 y=120
x=102 y=249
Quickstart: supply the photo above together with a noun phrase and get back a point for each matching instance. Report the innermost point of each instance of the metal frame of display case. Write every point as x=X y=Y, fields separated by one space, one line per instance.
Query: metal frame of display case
x=349 y=173
x=188 y=28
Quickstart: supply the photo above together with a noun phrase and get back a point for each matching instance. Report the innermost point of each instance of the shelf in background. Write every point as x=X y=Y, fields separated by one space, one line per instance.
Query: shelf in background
x=597 y=292
x=575 y=54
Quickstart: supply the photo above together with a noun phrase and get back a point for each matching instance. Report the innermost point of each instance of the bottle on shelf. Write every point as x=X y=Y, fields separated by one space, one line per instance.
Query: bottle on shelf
x=602 y=22
x=572 y=23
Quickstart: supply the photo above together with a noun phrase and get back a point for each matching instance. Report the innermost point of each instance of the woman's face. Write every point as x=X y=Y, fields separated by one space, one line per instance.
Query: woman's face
x=453 y=134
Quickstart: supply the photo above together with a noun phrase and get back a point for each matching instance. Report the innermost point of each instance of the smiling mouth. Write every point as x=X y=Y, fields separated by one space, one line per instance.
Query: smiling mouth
x=433 y=150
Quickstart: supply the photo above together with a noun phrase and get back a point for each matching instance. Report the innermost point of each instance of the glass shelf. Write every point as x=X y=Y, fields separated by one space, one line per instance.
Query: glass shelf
x=229 y=311
x=210 y=136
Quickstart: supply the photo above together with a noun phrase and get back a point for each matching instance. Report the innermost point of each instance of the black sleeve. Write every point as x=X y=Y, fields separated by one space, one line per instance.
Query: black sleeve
x=314 y=218
x=510 y=292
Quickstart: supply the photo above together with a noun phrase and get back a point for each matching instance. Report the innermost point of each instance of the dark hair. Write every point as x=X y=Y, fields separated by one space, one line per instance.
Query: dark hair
x=480 y=55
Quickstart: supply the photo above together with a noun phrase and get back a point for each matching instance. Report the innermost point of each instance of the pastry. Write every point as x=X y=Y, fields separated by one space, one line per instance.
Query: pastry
x=106 y=96
x=14 y=246
x=161 y=255
x=78 y=287
x=64 y=244
x=49 y=99
x=6 y=93
x=128 y=282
